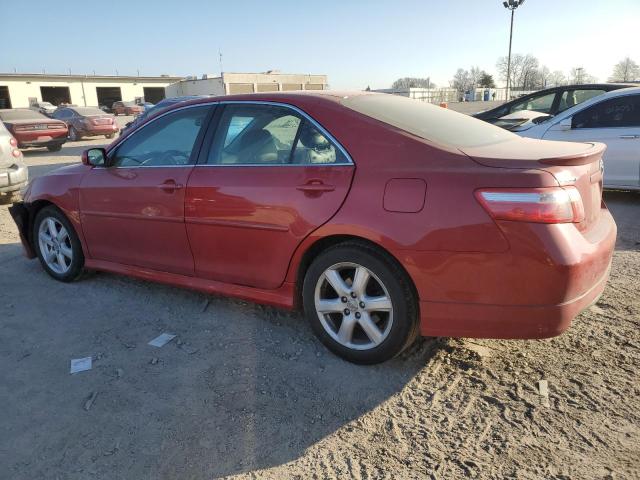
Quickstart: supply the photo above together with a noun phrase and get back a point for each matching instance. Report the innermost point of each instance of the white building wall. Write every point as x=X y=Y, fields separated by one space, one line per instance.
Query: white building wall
x=209 y=86
x=82 y=90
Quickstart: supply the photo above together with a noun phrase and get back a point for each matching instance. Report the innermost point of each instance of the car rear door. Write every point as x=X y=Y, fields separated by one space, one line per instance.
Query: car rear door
x=132 y=211
x=616 y=123
x=268 y=177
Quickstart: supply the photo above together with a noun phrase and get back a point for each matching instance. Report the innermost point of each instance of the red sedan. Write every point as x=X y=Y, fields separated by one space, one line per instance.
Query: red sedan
x=383 y=217
x=33 y=129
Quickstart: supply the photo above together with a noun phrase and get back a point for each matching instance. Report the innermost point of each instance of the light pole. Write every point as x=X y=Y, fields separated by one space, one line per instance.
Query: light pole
x=510 y=5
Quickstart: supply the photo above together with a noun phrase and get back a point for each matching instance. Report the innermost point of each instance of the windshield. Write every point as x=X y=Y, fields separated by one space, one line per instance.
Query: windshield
x=19 y=114
x=424 y=120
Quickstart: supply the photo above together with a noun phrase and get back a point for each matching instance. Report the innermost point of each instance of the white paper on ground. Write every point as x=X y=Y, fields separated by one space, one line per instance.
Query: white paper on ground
x=80 y=364
x=161 y=340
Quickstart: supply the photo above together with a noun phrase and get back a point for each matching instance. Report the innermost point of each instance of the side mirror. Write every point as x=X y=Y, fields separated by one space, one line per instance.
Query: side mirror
x=565 y=124
x=94 y=157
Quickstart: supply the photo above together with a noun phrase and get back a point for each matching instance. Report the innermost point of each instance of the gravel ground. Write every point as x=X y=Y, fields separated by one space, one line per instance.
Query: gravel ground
x=246 y=391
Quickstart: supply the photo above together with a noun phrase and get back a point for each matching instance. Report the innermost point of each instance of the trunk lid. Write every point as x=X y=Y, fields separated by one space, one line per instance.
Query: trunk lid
x=577 y=164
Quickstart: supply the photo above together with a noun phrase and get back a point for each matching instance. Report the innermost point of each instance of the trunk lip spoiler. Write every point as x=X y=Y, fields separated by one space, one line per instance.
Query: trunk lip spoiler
x=594 y=153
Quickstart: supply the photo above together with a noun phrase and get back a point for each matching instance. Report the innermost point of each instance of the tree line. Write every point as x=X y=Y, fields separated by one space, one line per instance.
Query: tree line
x=526 y=73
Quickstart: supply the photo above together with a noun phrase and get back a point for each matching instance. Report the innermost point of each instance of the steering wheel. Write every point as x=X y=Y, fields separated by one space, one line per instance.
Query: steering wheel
x=170 y=157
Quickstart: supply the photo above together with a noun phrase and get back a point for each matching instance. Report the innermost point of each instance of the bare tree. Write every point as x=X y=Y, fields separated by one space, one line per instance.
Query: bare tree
x=556 y=79
x=524 y=71
x=412 y=82
x=579 y=75
x=544 y=74
x=461 y=80
x=625 y=71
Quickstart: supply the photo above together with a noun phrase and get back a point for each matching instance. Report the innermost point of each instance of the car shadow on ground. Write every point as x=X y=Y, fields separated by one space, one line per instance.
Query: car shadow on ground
x=242 y=387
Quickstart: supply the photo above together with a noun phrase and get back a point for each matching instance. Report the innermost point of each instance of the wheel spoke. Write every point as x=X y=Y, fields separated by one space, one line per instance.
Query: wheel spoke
x=378 y=304
x=336 y=281
x=45 y=237
x=66 y=251
x=51 y=224
x=61 y=261
x=62 y=234
x=345 y=334
x=329 y=305
x=370 y=328
x=360 y=280
x=51 y=256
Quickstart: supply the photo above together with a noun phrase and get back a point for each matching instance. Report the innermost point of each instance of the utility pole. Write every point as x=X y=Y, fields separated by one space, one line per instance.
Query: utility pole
x=510 y=5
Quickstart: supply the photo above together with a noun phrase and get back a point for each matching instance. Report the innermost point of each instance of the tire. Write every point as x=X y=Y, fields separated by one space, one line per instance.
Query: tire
x=110 y=136
x=396 y=322
x=73 y=134
x=9 y=198
x=72 y=269
x=54 y=148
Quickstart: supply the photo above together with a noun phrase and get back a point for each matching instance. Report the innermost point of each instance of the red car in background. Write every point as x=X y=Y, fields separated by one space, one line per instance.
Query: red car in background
x=382 y=216
x=33 y=129
x=126 y=108
x=87 y=122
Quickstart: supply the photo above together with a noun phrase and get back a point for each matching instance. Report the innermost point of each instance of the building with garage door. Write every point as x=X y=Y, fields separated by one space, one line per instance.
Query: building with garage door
x=20 y=90
x=233 y=83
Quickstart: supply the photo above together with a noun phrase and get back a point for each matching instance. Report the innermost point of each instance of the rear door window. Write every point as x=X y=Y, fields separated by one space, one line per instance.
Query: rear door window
x=616 y=112
x=569 y=98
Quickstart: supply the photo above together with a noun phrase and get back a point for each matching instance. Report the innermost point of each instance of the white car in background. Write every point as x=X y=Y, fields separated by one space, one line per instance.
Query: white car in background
x=13 y=171
x=612 y=118
x=44 y=107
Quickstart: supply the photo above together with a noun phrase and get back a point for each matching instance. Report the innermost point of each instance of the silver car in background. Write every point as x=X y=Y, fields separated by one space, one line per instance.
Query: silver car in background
x=13 y=171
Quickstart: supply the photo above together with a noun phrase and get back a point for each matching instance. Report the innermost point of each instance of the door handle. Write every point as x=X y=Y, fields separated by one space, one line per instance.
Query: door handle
x=629 y=137
x=170 y=186
x=316 y=186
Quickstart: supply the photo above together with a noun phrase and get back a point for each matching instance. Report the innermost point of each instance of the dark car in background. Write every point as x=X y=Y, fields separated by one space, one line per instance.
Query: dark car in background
x=87 y=122
x=126 y=108
x=550 y=101
x=33 y=129
x=162 y=104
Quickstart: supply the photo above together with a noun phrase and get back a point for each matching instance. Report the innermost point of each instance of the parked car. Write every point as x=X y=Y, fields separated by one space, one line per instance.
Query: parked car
x=613 y=119
x=87 y=122
x=126 y=108
x=13 y=171
x=162 y=104
x=45 y=108
x=33 y=129
x=550 y=101
x=382 y=216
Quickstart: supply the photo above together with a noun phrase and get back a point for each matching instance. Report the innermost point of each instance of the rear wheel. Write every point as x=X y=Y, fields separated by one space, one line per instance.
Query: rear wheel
x=57 y=245
x=111 y=135
x=54 y=148
x=360 y=303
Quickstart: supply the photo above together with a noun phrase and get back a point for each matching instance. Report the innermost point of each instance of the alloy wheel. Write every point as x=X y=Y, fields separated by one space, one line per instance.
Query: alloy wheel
x=353 y=306
x=55 y=245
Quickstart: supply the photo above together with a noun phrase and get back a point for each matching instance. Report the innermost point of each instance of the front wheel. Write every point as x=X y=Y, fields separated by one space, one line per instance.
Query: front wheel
x=360 y=303
x=57 y=245
x=110 y=135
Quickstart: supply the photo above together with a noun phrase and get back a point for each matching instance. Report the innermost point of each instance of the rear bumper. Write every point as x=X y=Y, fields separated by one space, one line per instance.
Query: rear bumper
x=100 y=130
x=505 y=321
x=13 y=179
x=549 y=275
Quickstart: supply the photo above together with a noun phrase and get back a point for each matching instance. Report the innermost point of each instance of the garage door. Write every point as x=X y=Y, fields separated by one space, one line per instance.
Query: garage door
x=108 y=95
x=55 y=95
x=5 y=99
x=291 y=86
x=267 y=87
x=240 y=88
x=153 y=94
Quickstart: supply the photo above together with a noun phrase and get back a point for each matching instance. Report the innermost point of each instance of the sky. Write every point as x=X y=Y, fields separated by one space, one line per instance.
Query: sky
x=356 y=43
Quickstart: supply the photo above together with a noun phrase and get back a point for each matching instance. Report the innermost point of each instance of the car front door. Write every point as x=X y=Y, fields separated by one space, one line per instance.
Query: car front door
x=614 y=122
x=132 y=210
x=269 y=176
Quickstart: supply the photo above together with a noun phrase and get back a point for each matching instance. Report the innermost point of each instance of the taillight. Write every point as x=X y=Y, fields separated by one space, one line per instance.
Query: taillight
x=537 y=205
x=16 y=153
x=13 y=142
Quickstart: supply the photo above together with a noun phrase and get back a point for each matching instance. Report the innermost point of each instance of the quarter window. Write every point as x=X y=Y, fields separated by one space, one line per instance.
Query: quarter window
x=269 y=135
x=616 y=112
x=167 y=141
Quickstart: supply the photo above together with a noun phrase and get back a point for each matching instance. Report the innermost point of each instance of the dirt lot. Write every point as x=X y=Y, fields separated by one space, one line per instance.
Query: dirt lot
x=247 y=391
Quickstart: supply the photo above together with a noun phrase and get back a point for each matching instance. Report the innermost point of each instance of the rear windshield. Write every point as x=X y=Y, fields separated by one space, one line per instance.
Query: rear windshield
x=88 y=111
x=8 y=115
x=424 y=120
